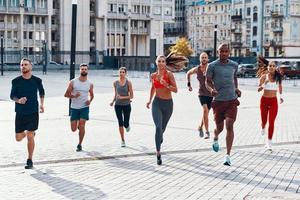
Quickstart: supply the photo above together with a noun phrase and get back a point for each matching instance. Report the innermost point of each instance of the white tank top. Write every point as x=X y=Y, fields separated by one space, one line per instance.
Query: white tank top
x=271 y=86
x=83 y=88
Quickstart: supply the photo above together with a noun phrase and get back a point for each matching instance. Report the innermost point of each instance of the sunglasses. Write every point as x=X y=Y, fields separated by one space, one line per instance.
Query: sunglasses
x=122 y=72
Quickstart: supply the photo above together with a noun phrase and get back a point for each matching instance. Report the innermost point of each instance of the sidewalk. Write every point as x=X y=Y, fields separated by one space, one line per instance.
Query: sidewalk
x=190 y=169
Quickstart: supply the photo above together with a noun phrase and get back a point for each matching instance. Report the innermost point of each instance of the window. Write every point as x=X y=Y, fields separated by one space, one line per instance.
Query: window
x=254 y=31
x=254 y=17
x=2 y=2
x=30 y=35
x=43 y=36
x=156 y=10
x=37 y=36
x=13 y=3
x=29 y=3
x=248 y=11
x=254 y=44
x=42 y=3
x=112 y=8
x=30 y=19
x=25 y=35
x=168 y=11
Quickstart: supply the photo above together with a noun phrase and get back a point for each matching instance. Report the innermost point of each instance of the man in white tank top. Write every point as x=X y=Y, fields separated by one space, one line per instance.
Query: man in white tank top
x=80 y=91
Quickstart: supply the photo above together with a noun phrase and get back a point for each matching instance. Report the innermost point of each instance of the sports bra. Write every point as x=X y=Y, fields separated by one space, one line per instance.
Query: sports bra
x=271 y=86
x=157 y=83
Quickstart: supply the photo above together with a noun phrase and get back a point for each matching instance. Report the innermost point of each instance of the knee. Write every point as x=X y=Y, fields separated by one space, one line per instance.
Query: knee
x=30 y=136
x=73 y=129
x=18 y=139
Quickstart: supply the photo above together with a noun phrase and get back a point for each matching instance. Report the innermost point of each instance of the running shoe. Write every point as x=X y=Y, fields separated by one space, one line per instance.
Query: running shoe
x=207 y=135
x=201 y=133
x=159 y=161
x=79 y=148
x=215 y=146
x=227 y=160
x=127 y=129
x=29 y=164
x=268 y=145
x=123 y=144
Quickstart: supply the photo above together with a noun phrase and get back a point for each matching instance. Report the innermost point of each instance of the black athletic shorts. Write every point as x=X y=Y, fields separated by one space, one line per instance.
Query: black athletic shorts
x=206 y=100
x=26 y=122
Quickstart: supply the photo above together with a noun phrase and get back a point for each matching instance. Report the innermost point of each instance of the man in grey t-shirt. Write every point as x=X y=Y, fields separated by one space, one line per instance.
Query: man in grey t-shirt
x=221 y=81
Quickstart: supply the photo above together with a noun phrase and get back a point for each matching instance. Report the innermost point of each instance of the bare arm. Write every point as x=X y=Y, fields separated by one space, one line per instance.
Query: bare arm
x=210 y=86
x=69 y=90
x=115 y=95
x=42 y=98
x=237 y=90
x=152 y=92
x=91 y=92
x=261 y=83
x=172 y=87
x=280 y=92
x=188 y=77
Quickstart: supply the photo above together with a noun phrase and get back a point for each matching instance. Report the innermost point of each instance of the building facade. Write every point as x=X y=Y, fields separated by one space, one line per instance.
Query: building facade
x=25 y=26
x=109 y=27
x=274 y=34
x=201 y=18
x=173 y=31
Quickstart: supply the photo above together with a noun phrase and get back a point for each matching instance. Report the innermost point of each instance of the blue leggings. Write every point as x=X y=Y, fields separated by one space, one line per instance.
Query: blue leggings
x=162 y=110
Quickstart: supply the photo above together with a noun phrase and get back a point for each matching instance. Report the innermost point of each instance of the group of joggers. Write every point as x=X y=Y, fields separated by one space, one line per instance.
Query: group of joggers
x=218 y=89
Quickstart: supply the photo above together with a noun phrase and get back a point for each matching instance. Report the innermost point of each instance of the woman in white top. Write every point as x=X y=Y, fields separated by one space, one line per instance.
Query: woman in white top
x=269 y=83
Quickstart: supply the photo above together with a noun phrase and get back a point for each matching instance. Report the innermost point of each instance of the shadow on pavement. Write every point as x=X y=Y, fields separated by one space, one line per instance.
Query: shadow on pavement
x=66 y=188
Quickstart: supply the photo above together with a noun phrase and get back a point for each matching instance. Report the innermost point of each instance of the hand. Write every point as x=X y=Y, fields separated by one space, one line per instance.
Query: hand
x=281 y=100
x=22 y=100
x=148 y=104
x=190 y=88
x=260 y=88
x=163 y=82
x=214 y=92
x=88 y=102
x=118 y=97
x=41 y=108
x=111 y=104
x=238 y=92
x=77 y=95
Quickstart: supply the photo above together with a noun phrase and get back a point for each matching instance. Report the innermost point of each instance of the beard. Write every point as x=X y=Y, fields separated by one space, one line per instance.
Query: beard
x=25 y=71
x=83 y=74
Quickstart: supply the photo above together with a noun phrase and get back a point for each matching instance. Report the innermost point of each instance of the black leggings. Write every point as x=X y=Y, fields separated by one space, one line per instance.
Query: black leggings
x=123 y=110
x=162 y=110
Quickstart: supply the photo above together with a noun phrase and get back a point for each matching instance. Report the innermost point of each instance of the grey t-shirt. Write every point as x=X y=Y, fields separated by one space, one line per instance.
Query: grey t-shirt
x=83 y=88
x=223 y=79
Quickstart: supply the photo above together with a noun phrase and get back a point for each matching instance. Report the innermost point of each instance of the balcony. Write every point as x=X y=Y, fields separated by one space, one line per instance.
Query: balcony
x=42 y=11
x=29 y=10
x=277 y=29
x=12 y=26
x=2 y=8
x=237 y=44
x=277 y=14
x=139 y=31
x=236 y=17
x=237 y=31
x=13 y=9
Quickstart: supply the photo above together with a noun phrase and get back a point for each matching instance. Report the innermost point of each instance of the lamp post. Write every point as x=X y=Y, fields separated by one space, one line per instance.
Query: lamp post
x=215 y=41
x=2 y=52
x=45 y=57
x=73 y=44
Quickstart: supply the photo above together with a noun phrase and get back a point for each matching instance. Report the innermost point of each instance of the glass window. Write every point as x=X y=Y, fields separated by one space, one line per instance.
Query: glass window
x=168 y=11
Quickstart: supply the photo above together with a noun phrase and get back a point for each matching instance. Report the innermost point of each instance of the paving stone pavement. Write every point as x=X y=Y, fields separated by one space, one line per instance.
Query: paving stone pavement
x=190 y=169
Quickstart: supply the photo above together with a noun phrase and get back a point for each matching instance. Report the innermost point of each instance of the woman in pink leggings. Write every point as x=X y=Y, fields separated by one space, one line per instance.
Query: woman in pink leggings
x=270 y=83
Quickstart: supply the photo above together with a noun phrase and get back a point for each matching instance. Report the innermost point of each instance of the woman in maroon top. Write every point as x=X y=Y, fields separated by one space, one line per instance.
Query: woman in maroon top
x=204 y=95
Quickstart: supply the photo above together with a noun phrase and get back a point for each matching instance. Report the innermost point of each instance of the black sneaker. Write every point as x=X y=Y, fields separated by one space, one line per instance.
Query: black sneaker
x=29 y=164
x=79 y=147
x=159 y=161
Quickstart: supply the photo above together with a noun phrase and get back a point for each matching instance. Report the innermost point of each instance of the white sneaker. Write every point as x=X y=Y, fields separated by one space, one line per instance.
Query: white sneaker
x=227 y=160
x=263 y=132
x=127 y=129
x=269 y=145
x=123 y=144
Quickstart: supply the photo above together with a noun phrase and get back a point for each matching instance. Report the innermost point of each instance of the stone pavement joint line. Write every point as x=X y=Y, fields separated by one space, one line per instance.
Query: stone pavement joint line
x=93 y=158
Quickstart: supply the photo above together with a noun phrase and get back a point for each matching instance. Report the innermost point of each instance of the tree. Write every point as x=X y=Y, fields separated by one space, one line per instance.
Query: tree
x=182 y=47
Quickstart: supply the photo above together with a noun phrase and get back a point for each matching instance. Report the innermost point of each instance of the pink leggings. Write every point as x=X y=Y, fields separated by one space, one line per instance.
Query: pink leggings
x=268 y=105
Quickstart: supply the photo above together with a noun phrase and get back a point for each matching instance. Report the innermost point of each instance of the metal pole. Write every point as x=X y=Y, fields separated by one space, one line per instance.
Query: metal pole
x=2 y=52
x=215 y=42
x=45 y=58
x=73 y=44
